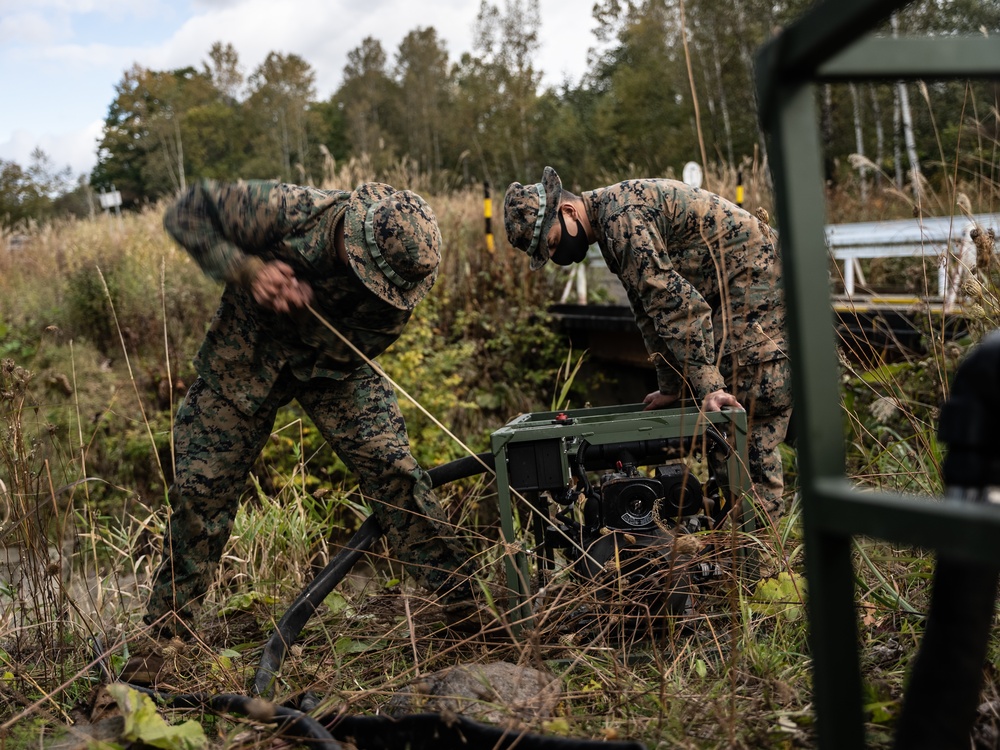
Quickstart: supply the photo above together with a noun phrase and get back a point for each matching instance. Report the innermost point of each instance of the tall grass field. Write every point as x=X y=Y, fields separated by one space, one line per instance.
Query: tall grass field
x=99 y=323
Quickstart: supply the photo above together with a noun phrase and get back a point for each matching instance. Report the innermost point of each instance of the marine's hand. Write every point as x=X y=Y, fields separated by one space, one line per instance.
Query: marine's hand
x=718 y=400
x=276 y=288
x=658 y=400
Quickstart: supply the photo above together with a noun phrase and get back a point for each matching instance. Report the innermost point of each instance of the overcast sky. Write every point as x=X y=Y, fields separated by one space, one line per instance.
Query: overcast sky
x=61 y=59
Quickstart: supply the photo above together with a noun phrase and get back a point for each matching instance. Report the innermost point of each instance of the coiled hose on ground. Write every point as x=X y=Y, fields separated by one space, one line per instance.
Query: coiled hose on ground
x=297 y=724
x=418 y=731
x=319 y=588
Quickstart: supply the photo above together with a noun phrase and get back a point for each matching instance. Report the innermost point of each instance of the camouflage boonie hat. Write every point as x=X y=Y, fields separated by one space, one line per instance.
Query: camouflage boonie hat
x=528 y=214
x=393 y=243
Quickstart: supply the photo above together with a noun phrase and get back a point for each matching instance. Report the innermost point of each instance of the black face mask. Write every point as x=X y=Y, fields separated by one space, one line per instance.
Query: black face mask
x=571 y=249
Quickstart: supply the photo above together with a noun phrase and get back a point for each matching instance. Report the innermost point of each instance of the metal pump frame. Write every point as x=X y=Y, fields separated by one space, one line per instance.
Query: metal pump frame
x=532 y=453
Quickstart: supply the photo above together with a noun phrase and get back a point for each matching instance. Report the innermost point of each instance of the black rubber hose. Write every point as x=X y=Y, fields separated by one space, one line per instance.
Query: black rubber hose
x=462 y=468
x=456 y=732
x=599 y=457
x=292 y=723
x=319 y=588
x=308 y=601
x=941 y=701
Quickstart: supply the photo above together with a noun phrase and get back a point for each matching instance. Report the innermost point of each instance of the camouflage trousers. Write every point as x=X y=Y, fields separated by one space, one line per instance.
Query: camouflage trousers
x=216 y=445
x=764 y=390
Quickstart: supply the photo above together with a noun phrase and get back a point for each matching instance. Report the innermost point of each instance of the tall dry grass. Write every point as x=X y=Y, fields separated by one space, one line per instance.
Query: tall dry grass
x=72 y=406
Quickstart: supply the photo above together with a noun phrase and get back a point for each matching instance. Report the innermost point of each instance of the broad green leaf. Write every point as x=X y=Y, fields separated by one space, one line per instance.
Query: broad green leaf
x=700 y=668
x=244 y=602
x=556 y=726
x=143 y=724
x=882 y=712
x=350 y=646
x=336 y=602
x=885 y=373
x=221 y=664
x=780 y=596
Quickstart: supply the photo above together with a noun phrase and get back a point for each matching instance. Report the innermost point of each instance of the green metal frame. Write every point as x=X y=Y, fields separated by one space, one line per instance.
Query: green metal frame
x=564 y=432
x=828 y=44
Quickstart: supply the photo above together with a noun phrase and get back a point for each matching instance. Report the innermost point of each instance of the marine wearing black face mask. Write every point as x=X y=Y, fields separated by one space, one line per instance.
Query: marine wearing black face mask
x=571 y=249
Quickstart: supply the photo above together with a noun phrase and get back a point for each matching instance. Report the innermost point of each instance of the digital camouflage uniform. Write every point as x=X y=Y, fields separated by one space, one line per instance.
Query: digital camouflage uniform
x=253 y=361
x=703 y=278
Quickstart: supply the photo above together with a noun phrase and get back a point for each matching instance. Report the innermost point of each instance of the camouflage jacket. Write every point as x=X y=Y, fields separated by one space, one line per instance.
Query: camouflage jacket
x=221 y=225
x=702 y=275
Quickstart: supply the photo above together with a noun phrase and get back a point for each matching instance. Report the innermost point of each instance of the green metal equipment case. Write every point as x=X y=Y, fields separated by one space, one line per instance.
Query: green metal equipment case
x=532 y=452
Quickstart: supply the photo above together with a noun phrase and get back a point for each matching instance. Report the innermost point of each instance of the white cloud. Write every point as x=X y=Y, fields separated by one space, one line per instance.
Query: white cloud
x=69 y=54
x=76 y=149
x=32 y=27
x=115 y=8
x=320 y=32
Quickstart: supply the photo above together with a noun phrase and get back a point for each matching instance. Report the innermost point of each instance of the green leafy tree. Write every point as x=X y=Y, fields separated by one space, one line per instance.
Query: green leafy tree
x=644 y=120
x=497 y=90
x=141 y=151
x=369 y=99
x=177 y=92
x=32 y=193
x=644 y=85
x=217 y=141
x=662 y=87
x=224 y=70
x=78 y=201
x=422 y=78
x=331 y=128
x=567 y=143
x=121 y=152
x=281 y=89
x=950 y=119
x=16 y=193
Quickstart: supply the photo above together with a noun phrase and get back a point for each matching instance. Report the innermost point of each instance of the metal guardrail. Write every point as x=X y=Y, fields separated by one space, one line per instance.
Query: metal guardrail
x=868 y=319
x=941 y=238
x=944 y=239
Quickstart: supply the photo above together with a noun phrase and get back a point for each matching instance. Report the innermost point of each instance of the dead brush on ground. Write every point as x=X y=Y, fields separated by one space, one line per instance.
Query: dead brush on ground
x=733 y=672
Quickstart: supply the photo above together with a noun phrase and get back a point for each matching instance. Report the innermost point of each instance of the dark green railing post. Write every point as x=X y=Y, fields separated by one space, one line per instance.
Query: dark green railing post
x=801 y=212
x=825 y=45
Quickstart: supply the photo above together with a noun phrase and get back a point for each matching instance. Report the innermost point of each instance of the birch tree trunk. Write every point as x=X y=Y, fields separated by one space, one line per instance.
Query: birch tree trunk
x=897 y=129
x=826 y=133
x=180 y=153
x=723 y=105
x=859 y=143
x=879 y=132
x=911 y=145
x=907 y=119
x=747 y=58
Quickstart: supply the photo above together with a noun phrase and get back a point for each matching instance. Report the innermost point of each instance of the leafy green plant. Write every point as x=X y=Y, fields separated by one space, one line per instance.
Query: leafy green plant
x=565 y=377
x=145 y=726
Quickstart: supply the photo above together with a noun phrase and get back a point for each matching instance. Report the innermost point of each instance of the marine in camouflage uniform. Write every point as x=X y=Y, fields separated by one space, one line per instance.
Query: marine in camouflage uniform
x=703 y=278
x=363 y=259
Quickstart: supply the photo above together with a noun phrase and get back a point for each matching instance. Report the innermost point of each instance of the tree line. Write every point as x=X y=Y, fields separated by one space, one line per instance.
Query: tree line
x=667 y=81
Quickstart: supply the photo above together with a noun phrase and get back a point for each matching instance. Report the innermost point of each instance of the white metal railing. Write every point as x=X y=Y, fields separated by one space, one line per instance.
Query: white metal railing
x=942 y=238
x=945 y=239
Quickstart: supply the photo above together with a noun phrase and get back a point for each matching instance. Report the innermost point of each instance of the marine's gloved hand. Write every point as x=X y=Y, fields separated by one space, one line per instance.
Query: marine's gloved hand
x=276 y=287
